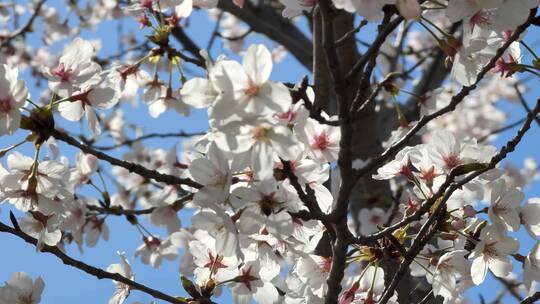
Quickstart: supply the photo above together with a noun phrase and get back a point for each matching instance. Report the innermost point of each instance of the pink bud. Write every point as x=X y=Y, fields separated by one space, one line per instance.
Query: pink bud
x=448 y=236
x=409 y=9
x=147 y=4
x=469 y=211
x=89 y=163
x=239 y=3
x=348 y=296
x=459 y=224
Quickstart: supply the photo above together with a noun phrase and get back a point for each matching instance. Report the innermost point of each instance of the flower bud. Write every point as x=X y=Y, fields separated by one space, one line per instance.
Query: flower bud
x=459 y=224
x=450 y=45
x=409 y=9
x=90 y=163
x=469 y=211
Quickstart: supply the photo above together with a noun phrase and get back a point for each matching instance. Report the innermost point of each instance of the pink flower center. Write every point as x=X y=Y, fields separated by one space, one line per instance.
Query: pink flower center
x=62 y=73
x=325 y=264
x=147 y=3
x=246 y=278
x=321 y=141
x=412 y=205
x=451 y=161
x=252 y=89
x=507 y=34
x=481 y=18
x=214 y=263
x=151 y=242
x=406 y=170
x=289 y=116
x=375 y=219
x=429 y=175
x=5 y=105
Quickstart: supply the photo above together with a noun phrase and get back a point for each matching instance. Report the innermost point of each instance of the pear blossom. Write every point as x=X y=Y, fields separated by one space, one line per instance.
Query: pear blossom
x=451 y=266
x=531 y=267
x=95 y=228
x=20 y=289
x=210 y=263
x=254 y=282
x=153 y=251
x=530 y=217
x=321 y=140
x=85 y=100
x=170 y=100
x=504 y=208
x=212 y=171
x=13 y=95
x=122 y=290
x=370 y=219
x=294 y=8
x=492 y=253
x=246 y=89
x=371 y=10
x=44 y=227
x=314 y=270
x=261 y=144
x=400 y=166
x=266 y=206
x=85 y=166
x=409 y=9
x=75 y=68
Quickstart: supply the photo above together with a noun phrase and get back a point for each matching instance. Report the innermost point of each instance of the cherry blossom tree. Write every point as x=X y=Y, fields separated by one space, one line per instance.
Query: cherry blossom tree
x=375 y=178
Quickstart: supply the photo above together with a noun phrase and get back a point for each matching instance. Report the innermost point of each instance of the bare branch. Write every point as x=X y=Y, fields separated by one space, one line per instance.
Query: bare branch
x=131 y=167
x=428 y=229
x=531 y=299
x=129 y=142
x=94 y=271
x=178 y=204
x=456 y=99
x=264 y=19
x=25 y=28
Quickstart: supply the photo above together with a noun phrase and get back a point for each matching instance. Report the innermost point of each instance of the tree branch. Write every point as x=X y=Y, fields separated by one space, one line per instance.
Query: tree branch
x=94 y=271
x=456 y=99
x=428 y=229
x=531 y=299
x=131 y=167
x=129 y=142
x=264 y=19
x=25 y=28
x=120 y=211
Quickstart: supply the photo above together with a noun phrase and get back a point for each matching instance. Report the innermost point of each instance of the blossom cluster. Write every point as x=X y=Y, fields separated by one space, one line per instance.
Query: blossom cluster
x=262 y=186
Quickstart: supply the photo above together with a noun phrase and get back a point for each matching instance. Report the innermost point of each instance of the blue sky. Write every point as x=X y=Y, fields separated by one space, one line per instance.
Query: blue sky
x=68 y=285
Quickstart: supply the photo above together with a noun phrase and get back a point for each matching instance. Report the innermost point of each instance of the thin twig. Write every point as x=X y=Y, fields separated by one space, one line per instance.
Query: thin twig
x=531 y=299
x=523 y=102
x=129 y=142
x=25 y=28
x=429 y=228
x=94 y=271
x=502 y=129
x=131 y=167
x=120 y=211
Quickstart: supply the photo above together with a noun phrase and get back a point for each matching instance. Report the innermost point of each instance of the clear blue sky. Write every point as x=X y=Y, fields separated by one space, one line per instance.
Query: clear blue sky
x=69 y=285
